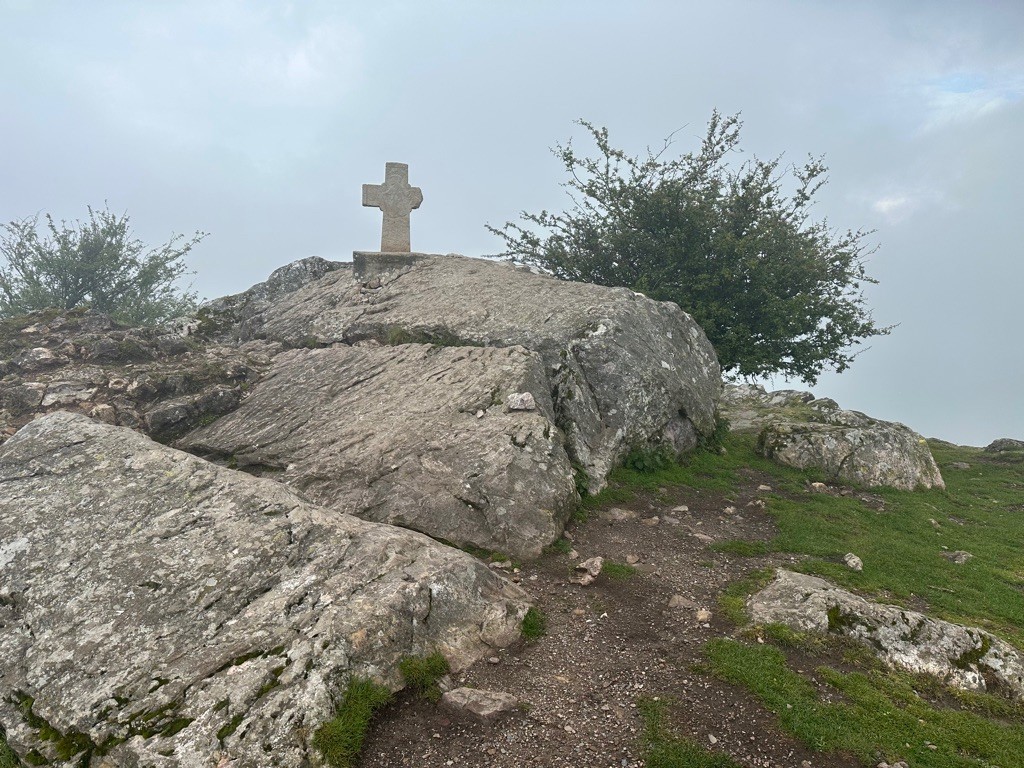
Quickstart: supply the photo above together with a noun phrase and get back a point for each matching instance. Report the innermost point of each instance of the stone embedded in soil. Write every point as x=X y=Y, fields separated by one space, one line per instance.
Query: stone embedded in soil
x=853 y=562
x=964 y=657
x=482 y=704
x=957 y=558
x=679 y=601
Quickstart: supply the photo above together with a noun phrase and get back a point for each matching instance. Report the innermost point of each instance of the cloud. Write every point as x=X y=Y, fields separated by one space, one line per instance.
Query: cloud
x=968 y=96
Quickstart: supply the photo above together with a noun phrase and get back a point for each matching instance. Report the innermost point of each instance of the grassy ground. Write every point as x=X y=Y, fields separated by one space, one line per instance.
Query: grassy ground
x=879 y=714
x=663 y=749
x=848 y=703
x=981 y=512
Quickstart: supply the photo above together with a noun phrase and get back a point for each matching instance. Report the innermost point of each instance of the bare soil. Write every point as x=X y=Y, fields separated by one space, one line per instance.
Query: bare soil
x=609 y=644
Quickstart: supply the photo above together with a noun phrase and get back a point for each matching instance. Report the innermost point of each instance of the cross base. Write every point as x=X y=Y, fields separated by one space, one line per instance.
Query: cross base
x=367 y=264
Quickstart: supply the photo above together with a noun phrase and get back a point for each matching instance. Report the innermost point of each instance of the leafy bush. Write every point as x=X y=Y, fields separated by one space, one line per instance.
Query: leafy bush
x=97 y=263
x=775 y=292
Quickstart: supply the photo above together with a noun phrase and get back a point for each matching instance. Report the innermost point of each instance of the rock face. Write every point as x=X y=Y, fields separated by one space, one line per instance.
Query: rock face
x=464 y=398
x=437 y=439
x=965 y=657
x=157 y=380
x=1004 y=444
x=622 y=370
x=799 y=431
x=159 y=610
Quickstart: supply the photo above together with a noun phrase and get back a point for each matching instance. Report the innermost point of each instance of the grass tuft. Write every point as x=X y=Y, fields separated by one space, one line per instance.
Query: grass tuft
x=662 y=749
x=617 y=571
x=534 y=626
x=422 y=673
x=7 y=757
x=340 y=739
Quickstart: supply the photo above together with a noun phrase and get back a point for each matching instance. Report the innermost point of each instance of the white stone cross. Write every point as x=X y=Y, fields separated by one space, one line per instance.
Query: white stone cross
x=397 y=199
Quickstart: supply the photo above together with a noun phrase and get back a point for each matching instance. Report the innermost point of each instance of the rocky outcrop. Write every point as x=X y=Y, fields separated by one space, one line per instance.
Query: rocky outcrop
x=160 y=610
x=965 y=657
x=799 y=431
x=622 y=371
x=465 y=398
x=1004 y=444
x=457 y=442
x=160 y=381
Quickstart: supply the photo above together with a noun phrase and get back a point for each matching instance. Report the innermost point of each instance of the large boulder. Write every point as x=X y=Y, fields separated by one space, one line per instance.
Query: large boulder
x=457 y=442
x=800 y=431
x=160 y=610
x=623 y=371
x=1005 y=445
x=964 y=657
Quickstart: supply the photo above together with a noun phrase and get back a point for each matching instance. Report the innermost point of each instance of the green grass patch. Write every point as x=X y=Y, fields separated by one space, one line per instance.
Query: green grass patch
x=742 y=548
x=663 y=749
x=422 y=673
x=617 y=571
x=7 y=757
x=880 y=713
x=733 y=600
x=534 y=626
x=901 y=547
x=340 y=739
x=561 y=546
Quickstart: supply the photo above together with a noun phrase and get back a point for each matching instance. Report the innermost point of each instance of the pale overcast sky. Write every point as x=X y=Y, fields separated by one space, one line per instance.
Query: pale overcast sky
x=258 y=122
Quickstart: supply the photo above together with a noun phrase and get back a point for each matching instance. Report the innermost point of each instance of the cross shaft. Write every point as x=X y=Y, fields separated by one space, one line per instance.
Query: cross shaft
x=396 y=199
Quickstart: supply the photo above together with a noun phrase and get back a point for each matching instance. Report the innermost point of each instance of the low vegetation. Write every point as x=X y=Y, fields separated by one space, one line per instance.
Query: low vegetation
x=832 y=694
x=617 y=571
x=878 y=714
x=7 y=757
x=423 y=673
x=663 y=749
x=534 y=626
x=340 y=739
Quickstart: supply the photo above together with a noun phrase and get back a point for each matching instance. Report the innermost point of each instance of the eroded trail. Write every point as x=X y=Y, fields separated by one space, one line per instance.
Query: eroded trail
x=611 y=644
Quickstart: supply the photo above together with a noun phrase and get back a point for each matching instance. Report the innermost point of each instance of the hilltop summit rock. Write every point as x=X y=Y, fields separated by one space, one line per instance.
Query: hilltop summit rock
x=160 y=610
x=431 y=443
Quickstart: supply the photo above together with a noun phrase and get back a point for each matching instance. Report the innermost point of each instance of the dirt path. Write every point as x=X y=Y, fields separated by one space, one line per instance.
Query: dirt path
x=608 y=644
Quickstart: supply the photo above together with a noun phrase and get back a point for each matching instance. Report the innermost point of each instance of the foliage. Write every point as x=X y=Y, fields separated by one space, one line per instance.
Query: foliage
x=534 y=626
x=662 y=749
x=7 y=757
x=95 y=263
x=774 y=291
x=880 y=713
x=341 y=738
x=422 y=673
x=617 y=571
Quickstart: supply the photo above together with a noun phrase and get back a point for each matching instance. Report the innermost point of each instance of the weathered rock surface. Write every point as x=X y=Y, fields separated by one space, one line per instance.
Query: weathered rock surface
x=155 y=380
x=799 y=431
x=623 y=370
x=423 y=437
x=965 y=657
x=1004 y=444
x=159 y=610
x=483 y=704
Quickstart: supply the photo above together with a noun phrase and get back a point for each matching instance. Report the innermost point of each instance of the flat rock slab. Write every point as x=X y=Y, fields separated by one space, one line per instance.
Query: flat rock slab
x=485 y=705
x=414 y=435
x=965 y=657
x=624 y=370
x=799 y=431
x=159 y=610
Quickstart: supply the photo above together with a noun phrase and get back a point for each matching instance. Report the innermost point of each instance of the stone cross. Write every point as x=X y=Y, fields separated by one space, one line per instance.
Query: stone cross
x=397 y=199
